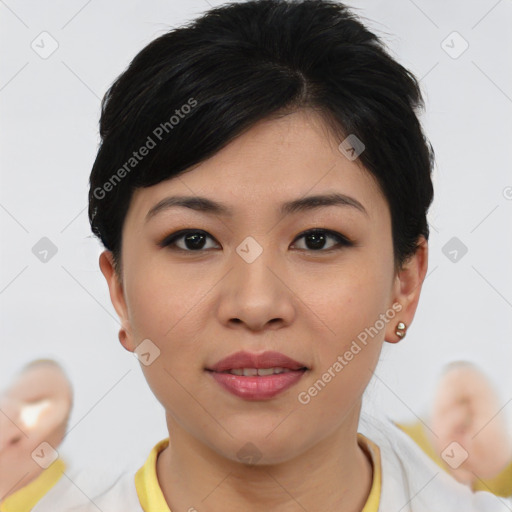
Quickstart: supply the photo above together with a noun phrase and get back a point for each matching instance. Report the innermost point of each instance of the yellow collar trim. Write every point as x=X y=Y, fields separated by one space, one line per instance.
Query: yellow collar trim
x=152 y=498
x=25 y=499
x=148 y=489
x=372 y=503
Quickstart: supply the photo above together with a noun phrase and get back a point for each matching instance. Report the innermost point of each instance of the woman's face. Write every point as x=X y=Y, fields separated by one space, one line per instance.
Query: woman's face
x=255 y=281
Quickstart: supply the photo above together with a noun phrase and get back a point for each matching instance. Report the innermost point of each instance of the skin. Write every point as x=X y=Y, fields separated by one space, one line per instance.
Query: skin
x=308 y=304
x=42 y=384
x=464 y=410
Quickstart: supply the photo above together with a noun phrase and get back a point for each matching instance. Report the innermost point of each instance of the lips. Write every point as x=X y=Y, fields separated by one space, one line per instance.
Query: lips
x=240 y=360
x=257 y=376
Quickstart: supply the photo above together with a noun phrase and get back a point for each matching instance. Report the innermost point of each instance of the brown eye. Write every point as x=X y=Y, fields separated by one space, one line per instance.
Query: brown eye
x=316 y=240
x=197 y=240
x=193 y=240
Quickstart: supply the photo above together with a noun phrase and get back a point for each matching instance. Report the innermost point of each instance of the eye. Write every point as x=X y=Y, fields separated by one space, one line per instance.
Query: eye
x=316 y=238
x=195 y=240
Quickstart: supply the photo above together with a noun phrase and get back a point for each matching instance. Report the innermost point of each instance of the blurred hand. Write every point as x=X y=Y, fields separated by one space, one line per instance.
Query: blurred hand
x=465 y=410
x=33 y=410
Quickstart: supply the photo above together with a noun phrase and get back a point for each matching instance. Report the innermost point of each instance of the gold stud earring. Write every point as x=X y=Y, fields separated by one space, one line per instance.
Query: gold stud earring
x=400 y=330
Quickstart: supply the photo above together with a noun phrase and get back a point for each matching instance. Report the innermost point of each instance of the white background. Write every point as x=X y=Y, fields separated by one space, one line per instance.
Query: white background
x=49 y=137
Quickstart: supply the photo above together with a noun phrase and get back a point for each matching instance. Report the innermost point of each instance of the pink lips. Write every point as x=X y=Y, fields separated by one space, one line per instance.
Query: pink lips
x=257 y=387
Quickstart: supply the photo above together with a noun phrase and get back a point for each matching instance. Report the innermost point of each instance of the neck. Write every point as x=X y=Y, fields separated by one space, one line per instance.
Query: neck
x=333 y=475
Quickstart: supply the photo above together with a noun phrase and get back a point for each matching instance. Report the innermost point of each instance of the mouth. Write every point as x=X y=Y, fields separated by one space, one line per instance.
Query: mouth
x=260 y=372
x=252 y=361
x=257 y=376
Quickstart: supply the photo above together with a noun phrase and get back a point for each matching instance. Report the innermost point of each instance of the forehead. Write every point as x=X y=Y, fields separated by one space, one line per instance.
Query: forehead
x=274 y=161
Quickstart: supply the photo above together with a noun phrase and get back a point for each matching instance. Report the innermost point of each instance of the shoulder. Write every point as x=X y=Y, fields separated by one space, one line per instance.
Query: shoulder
x=121 y=496
x=412 y=482
x=89 y=492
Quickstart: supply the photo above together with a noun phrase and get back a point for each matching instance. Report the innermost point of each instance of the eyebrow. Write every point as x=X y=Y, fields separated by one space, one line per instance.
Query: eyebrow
x=205 y=205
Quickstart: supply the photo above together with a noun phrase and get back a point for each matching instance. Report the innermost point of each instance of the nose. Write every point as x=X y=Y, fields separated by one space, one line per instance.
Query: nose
x=255 y=294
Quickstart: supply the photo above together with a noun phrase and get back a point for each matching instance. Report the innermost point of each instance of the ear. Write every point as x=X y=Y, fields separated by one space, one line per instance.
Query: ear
x=407 y=289
x=116 y=291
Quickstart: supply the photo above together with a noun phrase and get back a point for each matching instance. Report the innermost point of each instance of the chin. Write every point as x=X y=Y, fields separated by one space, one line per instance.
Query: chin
x=259 y=450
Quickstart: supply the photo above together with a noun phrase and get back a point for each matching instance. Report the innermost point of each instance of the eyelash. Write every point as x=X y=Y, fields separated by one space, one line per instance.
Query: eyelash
x=342 y=241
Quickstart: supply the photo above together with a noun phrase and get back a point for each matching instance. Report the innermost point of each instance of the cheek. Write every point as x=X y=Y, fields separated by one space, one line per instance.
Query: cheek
x=350 y=302
x=165 y=307
x=337 y=385
x=349 y=344
x=162 y=300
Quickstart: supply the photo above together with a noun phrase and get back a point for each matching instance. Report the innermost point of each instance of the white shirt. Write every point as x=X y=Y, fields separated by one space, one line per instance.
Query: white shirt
x=72 y=490
x=411 y=482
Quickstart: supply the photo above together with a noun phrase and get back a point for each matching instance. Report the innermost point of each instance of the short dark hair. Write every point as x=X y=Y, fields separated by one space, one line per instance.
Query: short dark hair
x=194 y=89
